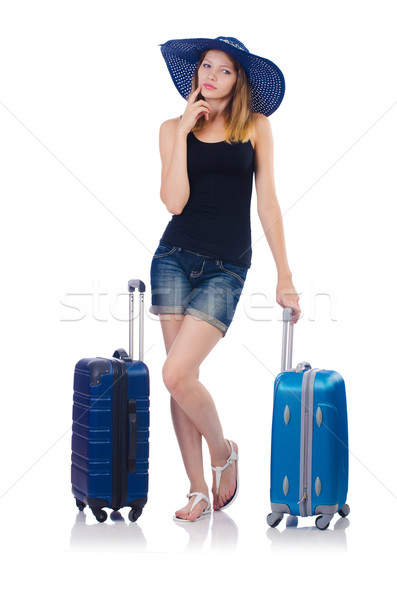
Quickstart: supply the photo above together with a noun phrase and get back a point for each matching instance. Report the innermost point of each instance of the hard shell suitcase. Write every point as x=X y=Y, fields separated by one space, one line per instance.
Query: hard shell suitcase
x=110 y=433
x=309 y=448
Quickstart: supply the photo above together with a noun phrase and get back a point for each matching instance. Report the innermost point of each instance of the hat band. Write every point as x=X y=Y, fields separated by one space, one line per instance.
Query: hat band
x=232 y=44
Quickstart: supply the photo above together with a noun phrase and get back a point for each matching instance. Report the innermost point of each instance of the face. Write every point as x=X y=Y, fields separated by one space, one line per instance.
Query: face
x=217 y=75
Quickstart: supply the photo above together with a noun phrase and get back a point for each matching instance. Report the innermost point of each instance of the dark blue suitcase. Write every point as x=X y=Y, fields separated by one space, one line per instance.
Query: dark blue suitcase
x=309 y=448
x=110 y=434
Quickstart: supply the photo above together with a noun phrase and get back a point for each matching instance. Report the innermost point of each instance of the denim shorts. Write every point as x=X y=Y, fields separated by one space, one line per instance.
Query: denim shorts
x=185 y=282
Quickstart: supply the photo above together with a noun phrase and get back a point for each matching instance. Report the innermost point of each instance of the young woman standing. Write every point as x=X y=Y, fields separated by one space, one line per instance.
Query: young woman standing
x=198 y=271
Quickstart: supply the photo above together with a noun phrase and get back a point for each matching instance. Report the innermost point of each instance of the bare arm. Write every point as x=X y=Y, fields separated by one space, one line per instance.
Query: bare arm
x=175 y=189
x=270 y=214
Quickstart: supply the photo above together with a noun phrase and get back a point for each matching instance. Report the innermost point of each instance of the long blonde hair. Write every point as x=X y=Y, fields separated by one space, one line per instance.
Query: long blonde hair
x=238 y=115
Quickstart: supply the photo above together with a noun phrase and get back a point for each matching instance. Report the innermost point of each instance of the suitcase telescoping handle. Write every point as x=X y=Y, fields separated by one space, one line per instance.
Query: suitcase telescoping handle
x=288 y=336
x=134 y=284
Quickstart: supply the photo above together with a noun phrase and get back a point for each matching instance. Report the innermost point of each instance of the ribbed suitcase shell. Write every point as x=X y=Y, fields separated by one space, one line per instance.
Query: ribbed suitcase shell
x=327 y=445
x=101 y=476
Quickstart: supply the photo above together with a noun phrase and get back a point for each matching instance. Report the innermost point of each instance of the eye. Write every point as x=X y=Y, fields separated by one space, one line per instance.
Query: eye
x=226 y=71
x=206 y=65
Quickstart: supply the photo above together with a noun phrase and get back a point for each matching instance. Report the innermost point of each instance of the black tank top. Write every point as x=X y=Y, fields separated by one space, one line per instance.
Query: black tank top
x=216 y=219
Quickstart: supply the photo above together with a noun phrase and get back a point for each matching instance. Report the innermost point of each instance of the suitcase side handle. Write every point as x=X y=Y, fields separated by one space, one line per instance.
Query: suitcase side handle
x=121 y=354
x=133 y=284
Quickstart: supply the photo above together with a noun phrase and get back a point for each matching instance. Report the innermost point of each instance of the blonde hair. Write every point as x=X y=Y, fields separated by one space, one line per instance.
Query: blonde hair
x=238 y=115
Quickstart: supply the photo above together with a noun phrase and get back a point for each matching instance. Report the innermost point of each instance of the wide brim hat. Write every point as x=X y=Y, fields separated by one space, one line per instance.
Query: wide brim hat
x=266 y=79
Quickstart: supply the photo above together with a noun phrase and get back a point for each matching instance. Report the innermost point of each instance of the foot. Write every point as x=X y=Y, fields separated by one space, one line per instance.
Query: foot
x=228 y=481
x=195 y=508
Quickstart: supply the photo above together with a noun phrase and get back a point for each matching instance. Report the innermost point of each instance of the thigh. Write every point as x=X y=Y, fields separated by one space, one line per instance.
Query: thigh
x=194 y=341
x=171 y=325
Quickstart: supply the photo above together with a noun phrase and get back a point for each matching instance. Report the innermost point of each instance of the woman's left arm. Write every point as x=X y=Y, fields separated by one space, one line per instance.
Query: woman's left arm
x=270 y=214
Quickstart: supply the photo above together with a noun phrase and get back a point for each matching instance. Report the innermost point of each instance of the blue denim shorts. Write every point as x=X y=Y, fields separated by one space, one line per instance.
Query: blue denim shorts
x=185 y=282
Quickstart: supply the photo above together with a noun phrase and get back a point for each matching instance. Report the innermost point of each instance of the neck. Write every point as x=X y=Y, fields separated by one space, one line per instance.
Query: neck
x=218 y=107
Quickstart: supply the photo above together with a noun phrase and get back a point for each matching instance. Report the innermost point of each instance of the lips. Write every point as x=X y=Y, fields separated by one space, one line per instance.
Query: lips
x=208 y=86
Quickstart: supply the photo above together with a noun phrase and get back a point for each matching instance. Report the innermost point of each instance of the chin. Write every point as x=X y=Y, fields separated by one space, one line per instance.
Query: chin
x=211 y=94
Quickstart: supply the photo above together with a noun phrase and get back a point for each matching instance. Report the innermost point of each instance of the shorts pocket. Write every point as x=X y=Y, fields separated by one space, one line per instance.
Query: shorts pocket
x=164 y=250
x=239 y=272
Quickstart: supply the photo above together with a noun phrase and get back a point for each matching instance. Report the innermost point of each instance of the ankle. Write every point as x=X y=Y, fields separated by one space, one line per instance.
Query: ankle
x=198 y=486
x=221 y=454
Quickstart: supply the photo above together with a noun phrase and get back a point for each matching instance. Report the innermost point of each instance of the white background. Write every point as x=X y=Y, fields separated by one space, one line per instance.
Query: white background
x=83 y=91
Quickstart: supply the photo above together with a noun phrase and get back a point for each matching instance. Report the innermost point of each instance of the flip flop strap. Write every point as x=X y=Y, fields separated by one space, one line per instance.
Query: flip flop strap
x=199 y=497
x=219 y=470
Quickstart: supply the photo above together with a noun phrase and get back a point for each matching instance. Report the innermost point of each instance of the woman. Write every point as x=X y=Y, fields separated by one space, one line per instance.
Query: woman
x=199 y=269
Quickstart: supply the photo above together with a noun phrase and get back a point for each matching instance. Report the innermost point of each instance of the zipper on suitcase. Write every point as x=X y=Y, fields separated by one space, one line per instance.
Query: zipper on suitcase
x=306 y=429
x=305 y=501
x=120 y=396
x=303 y=450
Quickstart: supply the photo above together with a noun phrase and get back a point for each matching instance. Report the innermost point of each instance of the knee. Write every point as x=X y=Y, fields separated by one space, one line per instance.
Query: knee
x=176 y=377
x=173 y=377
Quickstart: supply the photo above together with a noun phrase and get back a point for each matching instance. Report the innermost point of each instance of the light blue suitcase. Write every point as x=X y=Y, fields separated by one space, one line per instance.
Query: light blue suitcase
x=309 y=448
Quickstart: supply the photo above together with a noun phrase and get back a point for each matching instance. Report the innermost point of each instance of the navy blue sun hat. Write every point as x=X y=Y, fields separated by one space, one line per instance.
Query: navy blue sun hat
x=266 y=79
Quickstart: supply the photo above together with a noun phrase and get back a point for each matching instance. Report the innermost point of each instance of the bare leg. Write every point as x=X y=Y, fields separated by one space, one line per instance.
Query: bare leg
x=189 y=439
x=193 y=342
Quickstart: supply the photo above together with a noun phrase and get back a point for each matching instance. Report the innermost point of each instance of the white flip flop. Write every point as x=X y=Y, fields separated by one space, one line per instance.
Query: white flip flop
x=218 y=475
x=199 y=497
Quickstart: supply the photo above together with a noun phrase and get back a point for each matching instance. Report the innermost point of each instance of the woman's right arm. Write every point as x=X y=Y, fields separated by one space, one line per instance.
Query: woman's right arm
x=175 y=189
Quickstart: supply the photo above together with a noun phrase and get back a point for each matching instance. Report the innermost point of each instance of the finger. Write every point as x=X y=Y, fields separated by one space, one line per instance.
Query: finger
x=203 y=103
x=194 y=94
x=203 y=112
x=205 y=115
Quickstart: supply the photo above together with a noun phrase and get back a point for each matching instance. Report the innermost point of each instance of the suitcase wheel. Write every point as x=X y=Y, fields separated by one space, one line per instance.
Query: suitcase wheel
x=344 y=511
x=135 y=513
x=274 y=518
x=323 y=521
x=100 y=515
x=80 y=505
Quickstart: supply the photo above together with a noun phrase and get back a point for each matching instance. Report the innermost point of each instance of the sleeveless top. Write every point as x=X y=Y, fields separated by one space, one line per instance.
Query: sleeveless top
x=216 y=218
